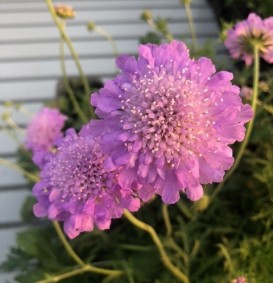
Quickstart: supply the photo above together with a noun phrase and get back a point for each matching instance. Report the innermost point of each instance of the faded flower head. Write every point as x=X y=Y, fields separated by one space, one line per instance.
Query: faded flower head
x=65 y=12
x=245 y=34
x=246 y=92
x=44 y=129
x=43 y=133
x=168 y=120
x=77 y=189
x=240 y=279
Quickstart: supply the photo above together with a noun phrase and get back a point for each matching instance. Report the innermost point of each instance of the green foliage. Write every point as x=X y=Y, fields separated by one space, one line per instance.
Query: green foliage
x=150 y=37
x=66 y=106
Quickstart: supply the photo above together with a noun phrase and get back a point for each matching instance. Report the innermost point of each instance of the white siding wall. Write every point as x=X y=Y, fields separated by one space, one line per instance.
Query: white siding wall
x=30 y=68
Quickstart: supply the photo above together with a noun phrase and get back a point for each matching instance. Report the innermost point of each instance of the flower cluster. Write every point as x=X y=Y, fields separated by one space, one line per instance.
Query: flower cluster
x=167 y=120
x=252 y=31
x=166 y=125
x=76 y=188
x=43 y=133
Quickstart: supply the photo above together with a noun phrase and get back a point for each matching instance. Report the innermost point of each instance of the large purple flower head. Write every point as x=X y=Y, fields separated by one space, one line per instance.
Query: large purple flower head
x=75 y=187
x=169 y=120
x=43 y=132
x=245 y=34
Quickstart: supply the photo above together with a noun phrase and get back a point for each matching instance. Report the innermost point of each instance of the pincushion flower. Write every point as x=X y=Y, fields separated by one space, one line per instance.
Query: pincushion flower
x=240 y=279
x=168 y=120
x=76 y=189
x=43 y=133
x=245 y=34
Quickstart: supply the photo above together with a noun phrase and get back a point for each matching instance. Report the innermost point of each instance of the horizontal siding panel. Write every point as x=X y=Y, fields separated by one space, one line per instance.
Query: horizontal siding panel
x=10 y=205
x=9 y=177
x=7 y=240
x=91 y=48
x=41 y=17
x=38 y=90
x=136 y=29
x=20 y=117
x=91 y=5
x=52 y=68
x=28 y=4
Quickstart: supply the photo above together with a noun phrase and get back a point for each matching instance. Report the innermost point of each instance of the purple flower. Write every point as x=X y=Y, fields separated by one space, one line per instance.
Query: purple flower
x=245 y=34
x=75 y=187
x=246 y=92
x=43 y=133
x=240 y=279
x=168 y=120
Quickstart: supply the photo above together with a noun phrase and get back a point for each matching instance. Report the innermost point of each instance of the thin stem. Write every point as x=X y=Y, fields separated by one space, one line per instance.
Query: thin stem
x=63 y=276
x=66 y=245
x=108 y=37
x=69 y=45
x=250 y=124
x=83 y=269
x=167 y=35
x=78 y=260
x=268 y=108
x=67 y=86
x=167 y=220
x=191 y=25
x=19 y=169
x=164 y=257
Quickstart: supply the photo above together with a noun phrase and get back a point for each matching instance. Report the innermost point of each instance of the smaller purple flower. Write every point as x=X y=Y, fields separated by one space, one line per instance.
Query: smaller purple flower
x=43 y=133
x=245 y=34
x=76 y=188
x=246 y=92
x=240 y=279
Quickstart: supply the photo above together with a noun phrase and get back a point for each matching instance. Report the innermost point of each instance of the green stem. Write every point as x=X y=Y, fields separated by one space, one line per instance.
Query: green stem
x=108 y=37
x=164 y=257
x=69 y=45
x=63 y=276
x=250 y=124
x=67 y=86
x=167 y=34
x=66 y=245
x=19 y=169
x=167 y=220
x=191 y=25
x=83 y=269
x=268 y=108
x=78 y=260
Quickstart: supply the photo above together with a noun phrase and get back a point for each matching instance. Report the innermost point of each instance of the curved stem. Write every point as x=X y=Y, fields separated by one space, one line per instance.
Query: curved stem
x=83 y=269
x=63 y=276
x=19 y=169
x=108 y=37
x=167 y=34
x=66 y=245
x=164 y=257
x=67 y=86
x=191 y=25
x=78 y=260
x=69 y=45
x=250 y=124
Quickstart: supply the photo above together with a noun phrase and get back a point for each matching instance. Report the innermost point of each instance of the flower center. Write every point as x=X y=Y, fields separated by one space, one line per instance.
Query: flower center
x=78 y=172
x=167 y=113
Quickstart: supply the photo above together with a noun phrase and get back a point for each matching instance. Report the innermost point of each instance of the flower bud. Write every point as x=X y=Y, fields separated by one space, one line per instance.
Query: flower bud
x=202 y=204
x=65 y=12
x=91 y=26
x=146 y=16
